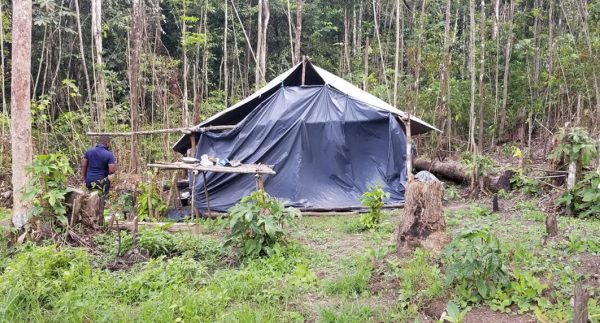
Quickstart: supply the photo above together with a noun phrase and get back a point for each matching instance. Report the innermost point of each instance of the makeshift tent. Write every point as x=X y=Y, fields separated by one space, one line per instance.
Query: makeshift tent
x=327 y=140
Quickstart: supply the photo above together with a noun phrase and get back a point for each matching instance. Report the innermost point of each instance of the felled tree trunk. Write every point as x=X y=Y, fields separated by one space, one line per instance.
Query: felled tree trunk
x=451 y=170
x=423 y=223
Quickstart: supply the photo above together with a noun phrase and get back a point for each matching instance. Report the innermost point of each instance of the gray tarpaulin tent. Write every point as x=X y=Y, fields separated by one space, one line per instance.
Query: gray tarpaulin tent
x=328 y=141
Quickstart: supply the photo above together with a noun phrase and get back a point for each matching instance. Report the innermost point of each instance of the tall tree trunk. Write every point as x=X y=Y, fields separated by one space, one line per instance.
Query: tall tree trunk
x=2 y=67
x=225 y=63
x=481 y=74
x=397 y=54
x=444 y=78
x=366 y=65
x=134 y=65
x=298 y=31
x=418 y=59
x=507 y=55
x=383 y=65
x=472 y=73
x=496 y=37
x=261 y=46
x=20 y=107
x=99 y=83
x=186 y=71
x=82 y=53
x=290 y=27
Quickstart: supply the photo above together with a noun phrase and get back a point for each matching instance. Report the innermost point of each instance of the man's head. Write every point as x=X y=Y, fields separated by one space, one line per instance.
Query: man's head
x=104 y=140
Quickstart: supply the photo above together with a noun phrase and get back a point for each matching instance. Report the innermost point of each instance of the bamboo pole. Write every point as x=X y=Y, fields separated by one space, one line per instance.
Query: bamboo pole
x=159 y=131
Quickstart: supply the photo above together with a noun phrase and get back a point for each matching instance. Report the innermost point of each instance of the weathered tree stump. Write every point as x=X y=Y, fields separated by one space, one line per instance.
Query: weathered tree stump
x=580 y=305
x=551 y=225
x=86 y=208
x=423 y=223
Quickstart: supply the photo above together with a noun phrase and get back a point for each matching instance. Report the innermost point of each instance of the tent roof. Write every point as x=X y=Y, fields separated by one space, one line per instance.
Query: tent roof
x=313 y=76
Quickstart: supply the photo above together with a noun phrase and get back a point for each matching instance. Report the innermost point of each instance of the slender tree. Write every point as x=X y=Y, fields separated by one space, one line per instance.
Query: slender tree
x=134 y=77
x=20 y=106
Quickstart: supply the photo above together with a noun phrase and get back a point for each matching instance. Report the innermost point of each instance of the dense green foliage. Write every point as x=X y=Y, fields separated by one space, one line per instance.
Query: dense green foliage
x=48 y=187
x=574 y=145
x=584 y=197
x=257 y=223
x=332 y=277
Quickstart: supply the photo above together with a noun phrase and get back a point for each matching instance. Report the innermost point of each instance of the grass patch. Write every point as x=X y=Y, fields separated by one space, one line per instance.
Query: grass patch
x=354 y=280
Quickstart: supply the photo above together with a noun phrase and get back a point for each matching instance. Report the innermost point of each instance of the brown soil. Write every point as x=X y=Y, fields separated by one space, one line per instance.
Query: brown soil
x=484 y=314
x=590 y=269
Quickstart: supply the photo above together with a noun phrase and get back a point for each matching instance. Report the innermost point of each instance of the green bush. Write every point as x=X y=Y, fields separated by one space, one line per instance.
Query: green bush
x=48 y=188
x=575 y=145
x=524 y=183
x=584 y=197
x=257 y=224
x=476 y=265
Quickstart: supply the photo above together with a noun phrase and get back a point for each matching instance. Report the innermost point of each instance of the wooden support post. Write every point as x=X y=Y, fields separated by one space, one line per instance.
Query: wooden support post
x=260 y=186
x=303 y=69
x=206 y=194
x=194 y=174
x=193 y=143
x=409 y=157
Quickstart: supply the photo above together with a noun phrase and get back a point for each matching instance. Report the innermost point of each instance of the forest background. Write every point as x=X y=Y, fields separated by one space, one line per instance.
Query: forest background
x=484 y=72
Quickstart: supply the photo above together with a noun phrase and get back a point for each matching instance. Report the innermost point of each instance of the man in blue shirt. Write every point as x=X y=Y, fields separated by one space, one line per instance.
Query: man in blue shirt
x=98 y=162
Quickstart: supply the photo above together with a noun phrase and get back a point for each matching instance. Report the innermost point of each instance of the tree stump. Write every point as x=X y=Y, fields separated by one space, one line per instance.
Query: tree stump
x=580 y=306
x=86 y=208
x=423 y=223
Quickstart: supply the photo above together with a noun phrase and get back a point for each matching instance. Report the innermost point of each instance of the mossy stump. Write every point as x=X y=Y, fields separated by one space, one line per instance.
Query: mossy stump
x=423 y=223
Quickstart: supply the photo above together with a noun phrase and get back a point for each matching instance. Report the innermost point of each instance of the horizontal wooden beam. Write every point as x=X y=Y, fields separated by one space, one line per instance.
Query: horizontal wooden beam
x=159 y=131
x=242 y=169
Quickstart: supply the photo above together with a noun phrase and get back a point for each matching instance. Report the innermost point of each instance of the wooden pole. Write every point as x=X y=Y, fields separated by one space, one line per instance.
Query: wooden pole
x=206 y=193
x=408 y=149
x=159 y=131
x=303 y=69
x=193 y=143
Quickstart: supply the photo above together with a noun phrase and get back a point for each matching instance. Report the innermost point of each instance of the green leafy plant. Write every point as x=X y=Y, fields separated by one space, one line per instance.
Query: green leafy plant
x=476 y=265
x=575 y=145
x=524 y=183
x=257 y=223
x=453 y=314
x=421 y=280
x=48 y=188
x=451 y=192
x=584 y=197
x=373 y=200
x=480 y=211
x=149 y=204
x=477 y=164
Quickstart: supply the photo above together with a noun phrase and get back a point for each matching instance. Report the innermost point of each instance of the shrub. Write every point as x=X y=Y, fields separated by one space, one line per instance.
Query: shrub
x=257 y=223
x=584 y=197
x=48 y=187
x=575 y=145
x=476 y=265
x=149 y=200
x=524 y=183
x=373 y=200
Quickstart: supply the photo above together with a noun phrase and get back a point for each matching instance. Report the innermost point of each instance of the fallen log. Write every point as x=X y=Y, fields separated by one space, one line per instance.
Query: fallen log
x=458 y=173
x=451 y=170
